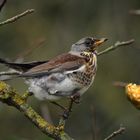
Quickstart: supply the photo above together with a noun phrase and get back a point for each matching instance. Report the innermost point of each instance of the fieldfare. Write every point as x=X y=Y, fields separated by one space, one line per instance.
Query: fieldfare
x=66 y=75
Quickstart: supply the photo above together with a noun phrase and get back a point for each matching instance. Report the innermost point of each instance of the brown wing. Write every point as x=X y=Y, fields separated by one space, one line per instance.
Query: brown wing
x=62 y=62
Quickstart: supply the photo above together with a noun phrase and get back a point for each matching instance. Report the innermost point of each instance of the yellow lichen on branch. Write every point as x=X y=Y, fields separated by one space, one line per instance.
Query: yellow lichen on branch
x=10 y=96
x=133 y=94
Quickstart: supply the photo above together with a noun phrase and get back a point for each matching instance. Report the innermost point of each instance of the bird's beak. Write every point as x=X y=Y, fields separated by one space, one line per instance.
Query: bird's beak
x=100 y=41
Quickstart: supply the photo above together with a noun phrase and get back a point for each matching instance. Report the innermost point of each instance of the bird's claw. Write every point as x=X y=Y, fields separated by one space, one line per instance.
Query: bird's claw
x=66 y=114
x=75 y=98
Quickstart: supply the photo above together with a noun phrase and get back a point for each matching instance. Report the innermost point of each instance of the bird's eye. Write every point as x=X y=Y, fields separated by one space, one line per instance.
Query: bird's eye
x=88 y=42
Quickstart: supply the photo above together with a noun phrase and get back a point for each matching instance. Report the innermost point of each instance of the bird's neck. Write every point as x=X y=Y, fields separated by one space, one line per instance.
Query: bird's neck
x=81 y=54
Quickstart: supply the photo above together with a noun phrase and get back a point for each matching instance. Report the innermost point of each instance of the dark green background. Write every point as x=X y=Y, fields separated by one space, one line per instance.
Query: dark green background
x=61 y=23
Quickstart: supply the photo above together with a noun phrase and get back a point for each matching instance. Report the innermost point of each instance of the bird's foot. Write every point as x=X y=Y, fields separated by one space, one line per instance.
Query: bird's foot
x=59 y=105
x=67 y=110
x=66 y=113
x=75 y=98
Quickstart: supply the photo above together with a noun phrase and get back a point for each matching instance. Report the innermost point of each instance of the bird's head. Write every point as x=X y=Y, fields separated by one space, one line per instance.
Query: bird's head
x=88 y=44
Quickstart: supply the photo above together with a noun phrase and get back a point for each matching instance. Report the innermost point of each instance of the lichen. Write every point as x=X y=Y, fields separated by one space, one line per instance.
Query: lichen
x=3 y=87
x=17 y=98
x=65 y=136
x=133 y=94
x=10 y=96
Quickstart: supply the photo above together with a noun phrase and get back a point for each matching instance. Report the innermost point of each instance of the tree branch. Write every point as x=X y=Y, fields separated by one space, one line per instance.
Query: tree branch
x=135 y=12
x=115 y=46
x=10 y=97
x=15 y=18
x=115 y=133
x=8 y=73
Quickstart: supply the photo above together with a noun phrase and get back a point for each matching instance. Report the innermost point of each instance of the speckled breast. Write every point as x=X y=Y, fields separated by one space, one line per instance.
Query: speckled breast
x=85 y=77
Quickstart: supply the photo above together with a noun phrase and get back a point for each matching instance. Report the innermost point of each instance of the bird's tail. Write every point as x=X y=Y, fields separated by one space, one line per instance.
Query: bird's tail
x=12 y=65
x=7 y=75
x=21 y=67
x=3 y=61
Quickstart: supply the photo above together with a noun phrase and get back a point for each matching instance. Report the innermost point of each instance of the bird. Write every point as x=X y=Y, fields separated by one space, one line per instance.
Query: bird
x=66 y=75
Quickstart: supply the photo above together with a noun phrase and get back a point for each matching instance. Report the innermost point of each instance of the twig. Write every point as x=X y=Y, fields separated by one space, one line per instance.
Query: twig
x=15 y=18
x=135 y=12
x=115 y=133
x=2 y=3
x=116 y=45
x=119 y=84
x=57 y=104
x=8 y=73
x=93 y=123
x=10 y=97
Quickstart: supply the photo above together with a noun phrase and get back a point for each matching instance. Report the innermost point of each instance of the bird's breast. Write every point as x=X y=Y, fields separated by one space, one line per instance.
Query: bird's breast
x=84 y=76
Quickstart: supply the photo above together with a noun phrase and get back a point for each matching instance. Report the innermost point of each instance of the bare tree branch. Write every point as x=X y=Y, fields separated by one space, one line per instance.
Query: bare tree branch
x=119 y=84
x=8 y=73
x=94 y=129
x=2 y=3
x=116 y=45
x=10 y=97
x=135 y=12
x=116 y=133
x=15 y=18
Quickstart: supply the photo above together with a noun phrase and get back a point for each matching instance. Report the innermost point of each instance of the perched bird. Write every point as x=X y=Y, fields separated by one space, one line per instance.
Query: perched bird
x=66 y=75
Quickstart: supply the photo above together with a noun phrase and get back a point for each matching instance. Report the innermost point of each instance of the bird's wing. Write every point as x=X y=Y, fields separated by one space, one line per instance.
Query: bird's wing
x=60 y=63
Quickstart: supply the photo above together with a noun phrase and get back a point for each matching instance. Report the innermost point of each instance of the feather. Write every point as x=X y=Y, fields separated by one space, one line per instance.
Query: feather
x=23 y=67
x=60 y=63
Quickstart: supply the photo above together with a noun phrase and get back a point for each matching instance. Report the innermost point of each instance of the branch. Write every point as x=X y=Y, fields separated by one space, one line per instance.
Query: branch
x=8 y=73
x=135 y=12
x=116 y=45
x=94 y=130
x=10 y=97
x=115 y=133
x=15 y=18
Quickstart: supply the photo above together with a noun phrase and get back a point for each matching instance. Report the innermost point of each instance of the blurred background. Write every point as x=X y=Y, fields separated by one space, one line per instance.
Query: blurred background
x=51 y=30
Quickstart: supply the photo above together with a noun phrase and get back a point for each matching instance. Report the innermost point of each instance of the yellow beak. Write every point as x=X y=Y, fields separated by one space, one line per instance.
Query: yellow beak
x=100 y=41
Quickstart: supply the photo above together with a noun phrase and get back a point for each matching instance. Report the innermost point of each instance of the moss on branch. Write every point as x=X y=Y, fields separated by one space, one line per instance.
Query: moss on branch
x=9 y=96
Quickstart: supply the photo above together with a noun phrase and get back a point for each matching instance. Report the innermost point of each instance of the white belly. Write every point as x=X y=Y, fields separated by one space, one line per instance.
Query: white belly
x=44 y=89
x=66 y=87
